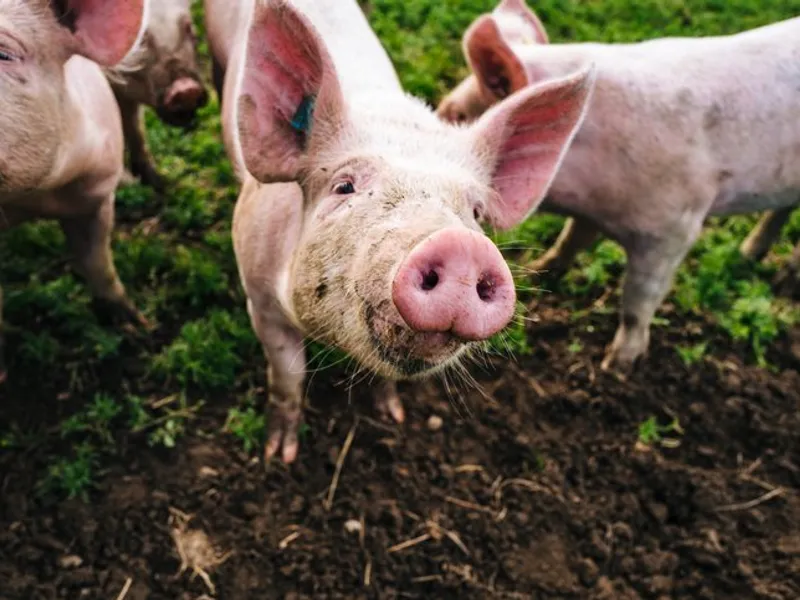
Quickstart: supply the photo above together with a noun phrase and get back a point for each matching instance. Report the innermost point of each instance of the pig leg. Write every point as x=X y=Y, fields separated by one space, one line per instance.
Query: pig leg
x=387 y=400
x=218 y=78
x=286 y=358
x=651 y=268
x=2 y=342
x=140 y=160
x=89 y=239
x=577 y=235
x=764 y=234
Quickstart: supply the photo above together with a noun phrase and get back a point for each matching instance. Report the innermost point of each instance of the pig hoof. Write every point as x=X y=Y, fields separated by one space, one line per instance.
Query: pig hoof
x=617 y=366
x=122 y=310
x=391 y=405
x=149 y=176
x=3 y=376
x=282 y=435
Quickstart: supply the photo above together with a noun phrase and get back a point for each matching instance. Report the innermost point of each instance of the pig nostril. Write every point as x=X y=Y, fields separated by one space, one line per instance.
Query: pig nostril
x=486 y=289
x=430 y=280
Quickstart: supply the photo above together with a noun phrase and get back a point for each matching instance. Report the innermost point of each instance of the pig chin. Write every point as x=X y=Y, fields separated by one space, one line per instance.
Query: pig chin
x=403 y=353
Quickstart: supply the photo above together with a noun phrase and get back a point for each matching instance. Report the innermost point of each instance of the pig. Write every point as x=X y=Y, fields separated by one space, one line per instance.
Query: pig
x=359 y=218
x=678 y=129
x=162 y=73
x=62 y=147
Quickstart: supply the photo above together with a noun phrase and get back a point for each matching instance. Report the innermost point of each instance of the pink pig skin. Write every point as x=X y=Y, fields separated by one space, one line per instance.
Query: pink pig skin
x=60 y=134
x=677 y=130
x=359 y=219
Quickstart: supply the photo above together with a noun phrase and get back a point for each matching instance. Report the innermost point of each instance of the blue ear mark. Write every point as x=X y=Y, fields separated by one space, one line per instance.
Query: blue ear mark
x=301 y=121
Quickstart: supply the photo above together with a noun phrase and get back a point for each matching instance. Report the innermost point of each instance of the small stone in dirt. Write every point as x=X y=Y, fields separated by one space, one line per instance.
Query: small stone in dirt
x=697 y=408
x=70 y=561
x=789 y=545
x=588 y=571
x=745 y=570
x=208 y=472
x=658 y=511
x=622 y=531
x=435 y=423
x=660 y=584
x=352 y=526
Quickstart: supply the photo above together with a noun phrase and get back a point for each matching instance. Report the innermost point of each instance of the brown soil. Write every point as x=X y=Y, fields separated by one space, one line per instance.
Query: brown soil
x=534 y=488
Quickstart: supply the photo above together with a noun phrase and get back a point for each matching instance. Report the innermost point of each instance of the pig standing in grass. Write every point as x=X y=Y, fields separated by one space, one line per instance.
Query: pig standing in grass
x=161 y=73
x=61 y=140
x=359 y=219
x=678 y=129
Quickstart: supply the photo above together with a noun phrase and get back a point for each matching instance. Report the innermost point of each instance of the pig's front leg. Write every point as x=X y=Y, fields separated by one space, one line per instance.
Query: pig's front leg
x=577 y=235
x=141 y=162
x=764 y=234
x=286 y=370
x=89 y=239
x=651 y=268
x=387 y=400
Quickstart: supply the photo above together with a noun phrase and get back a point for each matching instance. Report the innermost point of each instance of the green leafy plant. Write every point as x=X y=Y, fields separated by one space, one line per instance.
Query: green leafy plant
x=692 y=354
x=248 y=426
x=651 y=433
x=73 y=476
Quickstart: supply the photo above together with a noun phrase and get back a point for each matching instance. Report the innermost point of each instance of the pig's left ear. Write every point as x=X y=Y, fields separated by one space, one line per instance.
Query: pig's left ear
x=103 y=30
x=524 y=139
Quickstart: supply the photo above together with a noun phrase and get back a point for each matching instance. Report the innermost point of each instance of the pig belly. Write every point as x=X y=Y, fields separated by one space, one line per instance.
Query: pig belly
x=746 y=202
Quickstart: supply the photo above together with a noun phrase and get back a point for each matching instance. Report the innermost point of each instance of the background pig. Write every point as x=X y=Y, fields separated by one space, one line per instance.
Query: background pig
x=61 y=150
x=161 y=73
x=359 y=218
x=678 y=129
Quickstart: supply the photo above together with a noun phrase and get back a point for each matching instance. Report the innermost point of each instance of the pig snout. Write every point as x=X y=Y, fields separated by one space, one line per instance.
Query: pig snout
x=182 y=100
x=455 y=281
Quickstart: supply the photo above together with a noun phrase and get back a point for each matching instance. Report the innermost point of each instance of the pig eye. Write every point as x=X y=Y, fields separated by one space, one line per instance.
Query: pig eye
x=461 y=117
x=344 y=188
x=477 y=212
x=7 y=56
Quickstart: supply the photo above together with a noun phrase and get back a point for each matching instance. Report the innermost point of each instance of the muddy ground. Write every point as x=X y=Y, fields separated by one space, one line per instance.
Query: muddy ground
x=535 y=487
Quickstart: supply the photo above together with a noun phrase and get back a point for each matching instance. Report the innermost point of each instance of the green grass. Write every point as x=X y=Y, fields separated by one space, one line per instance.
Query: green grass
x=174 y=255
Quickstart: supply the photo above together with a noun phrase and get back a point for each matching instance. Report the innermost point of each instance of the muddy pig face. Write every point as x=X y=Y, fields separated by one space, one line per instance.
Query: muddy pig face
x=163 y=73
x=392 y=264
x=37 y=37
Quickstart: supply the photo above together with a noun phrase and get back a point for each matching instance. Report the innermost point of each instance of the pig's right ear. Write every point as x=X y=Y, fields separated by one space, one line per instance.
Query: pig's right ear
x=103 y=30
x=287 y=88
x=523 y=140
x=499 y=71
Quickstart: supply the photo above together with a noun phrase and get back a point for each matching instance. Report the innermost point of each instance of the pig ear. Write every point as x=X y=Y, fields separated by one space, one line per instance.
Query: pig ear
x=287 y=88
x=519 y=9
x=524 y=139
x=104 y=30
x=499 y=71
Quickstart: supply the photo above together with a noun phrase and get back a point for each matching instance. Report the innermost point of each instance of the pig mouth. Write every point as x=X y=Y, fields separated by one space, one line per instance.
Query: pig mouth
x=411 y=354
